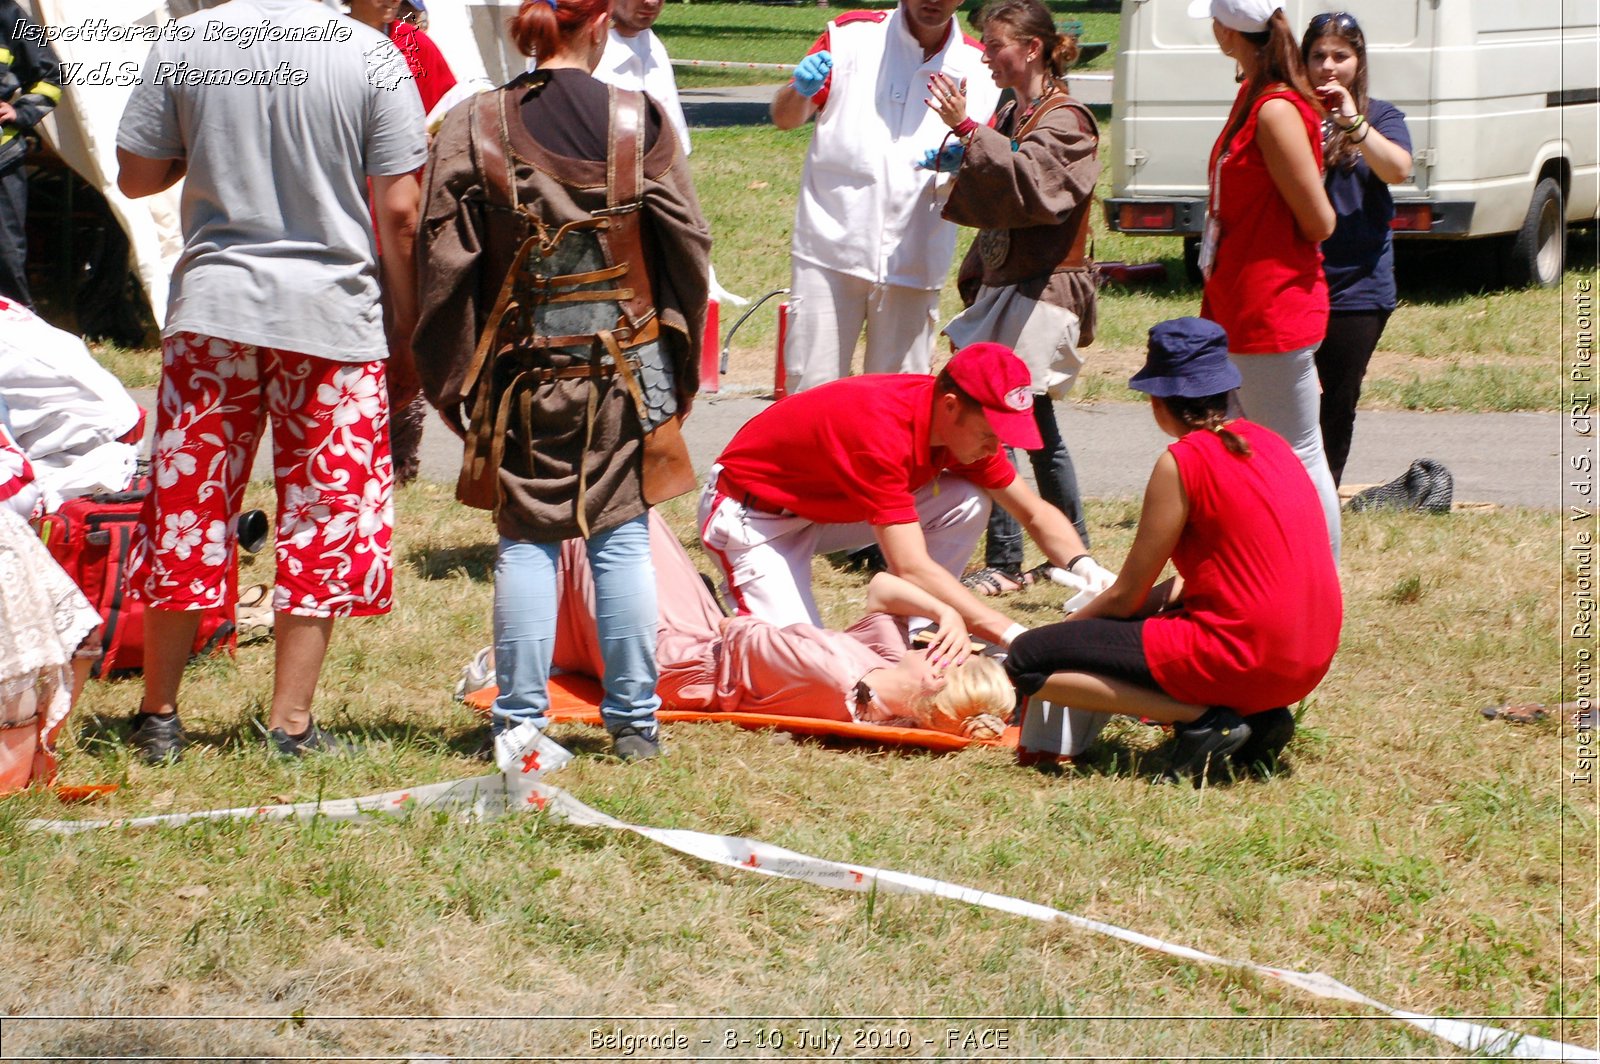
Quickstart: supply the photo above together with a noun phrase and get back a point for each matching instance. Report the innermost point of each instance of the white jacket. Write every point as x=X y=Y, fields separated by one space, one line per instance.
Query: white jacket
x=865 y=209
x=641 y=63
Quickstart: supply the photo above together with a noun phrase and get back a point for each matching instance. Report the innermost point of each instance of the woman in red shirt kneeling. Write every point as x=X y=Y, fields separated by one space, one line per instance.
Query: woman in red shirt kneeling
x=1250 y=623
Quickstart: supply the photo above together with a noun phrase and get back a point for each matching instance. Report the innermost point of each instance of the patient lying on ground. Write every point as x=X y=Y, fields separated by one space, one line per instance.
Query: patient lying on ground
x=718 y=664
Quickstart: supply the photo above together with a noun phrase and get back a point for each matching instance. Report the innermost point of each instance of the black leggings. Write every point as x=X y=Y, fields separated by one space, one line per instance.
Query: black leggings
x=1341 y=364
x=1101 y=646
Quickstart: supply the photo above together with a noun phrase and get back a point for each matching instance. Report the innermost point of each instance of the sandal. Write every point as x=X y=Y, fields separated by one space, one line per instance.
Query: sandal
x=1039 y=574
x=254 y=615
x=990 y=581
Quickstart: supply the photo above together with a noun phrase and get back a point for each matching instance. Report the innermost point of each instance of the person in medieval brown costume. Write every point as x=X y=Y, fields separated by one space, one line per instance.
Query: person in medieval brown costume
x=1027 y=184
x=562 y=271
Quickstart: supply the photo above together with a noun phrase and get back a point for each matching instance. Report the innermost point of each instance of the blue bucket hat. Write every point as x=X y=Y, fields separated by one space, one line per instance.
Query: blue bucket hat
x=1188 y=357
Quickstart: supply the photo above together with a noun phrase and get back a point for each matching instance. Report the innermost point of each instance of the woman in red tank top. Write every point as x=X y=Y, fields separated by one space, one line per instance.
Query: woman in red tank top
x=1251 y=622
x=1267 y=217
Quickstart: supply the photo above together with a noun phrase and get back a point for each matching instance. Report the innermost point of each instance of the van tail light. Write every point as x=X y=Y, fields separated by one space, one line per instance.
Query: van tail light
x=1412 y=217
x=1146 y=216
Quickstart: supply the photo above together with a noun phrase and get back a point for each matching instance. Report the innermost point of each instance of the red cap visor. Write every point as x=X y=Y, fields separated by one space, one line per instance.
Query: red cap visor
x=1016 y=428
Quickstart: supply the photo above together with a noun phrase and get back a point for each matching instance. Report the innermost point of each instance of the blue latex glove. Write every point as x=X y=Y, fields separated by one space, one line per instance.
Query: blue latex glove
x=811 y=72
x=949 y=160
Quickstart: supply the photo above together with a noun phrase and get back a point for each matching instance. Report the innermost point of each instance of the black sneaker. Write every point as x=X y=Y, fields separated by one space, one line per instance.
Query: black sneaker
x=631 y=743
x=1198 y=745
x=313 y=741
x=1270 y=732
x=158 y=740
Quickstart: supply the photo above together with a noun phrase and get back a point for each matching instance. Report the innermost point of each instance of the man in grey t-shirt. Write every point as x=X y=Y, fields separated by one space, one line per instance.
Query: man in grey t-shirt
x=274 y=113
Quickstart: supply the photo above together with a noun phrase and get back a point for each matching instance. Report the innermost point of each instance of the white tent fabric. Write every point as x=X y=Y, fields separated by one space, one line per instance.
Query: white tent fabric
x=102 y=45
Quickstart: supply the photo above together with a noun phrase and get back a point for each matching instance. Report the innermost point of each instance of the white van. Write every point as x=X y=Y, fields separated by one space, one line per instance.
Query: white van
x=1502 y=98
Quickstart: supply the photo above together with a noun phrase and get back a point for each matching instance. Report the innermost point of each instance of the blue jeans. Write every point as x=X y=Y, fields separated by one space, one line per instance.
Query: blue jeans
x=1058 y=485
x=525 y=605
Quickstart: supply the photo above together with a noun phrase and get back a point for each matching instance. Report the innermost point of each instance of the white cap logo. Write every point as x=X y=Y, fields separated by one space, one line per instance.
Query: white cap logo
x=1019 y=400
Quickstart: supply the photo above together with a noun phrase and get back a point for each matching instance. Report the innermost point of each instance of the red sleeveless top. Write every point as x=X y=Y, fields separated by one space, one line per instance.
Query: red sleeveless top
x=1261 y=606
x=1266 y=287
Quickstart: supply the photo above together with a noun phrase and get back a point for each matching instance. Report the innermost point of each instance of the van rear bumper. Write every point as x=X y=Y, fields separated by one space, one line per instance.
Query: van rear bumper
x=1449 y=218
x=1184 y=217
x=1157 y=216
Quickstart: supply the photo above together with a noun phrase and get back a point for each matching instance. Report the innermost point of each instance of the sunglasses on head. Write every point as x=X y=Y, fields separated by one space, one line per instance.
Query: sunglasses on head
x=1342 y=21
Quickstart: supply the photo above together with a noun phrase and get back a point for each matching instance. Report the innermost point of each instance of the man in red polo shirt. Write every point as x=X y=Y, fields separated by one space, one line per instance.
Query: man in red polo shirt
x=910 y=461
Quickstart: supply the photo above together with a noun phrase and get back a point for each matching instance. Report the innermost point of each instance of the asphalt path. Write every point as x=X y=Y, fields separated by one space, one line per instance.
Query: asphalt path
x=1505 y=459
x=746 y=105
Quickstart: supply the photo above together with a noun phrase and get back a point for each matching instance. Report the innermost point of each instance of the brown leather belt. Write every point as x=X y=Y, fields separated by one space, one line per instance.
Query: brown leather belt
x=745 y=499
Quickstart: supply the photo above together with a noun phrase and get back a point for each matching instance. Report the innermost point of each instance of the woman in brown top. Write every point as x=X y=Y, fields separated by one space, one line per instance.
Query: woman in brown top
x=552 y=335
x=1027 y=184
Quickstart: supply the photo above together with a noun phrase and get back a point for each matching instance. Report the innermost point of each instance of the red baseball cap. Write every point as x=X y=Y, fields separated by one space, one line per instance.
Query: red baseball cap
x=997 y=380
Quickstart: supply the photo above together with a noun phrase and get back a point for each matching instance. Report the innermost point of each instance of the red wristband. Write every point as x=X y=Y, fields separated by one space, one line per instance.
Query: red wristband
x=965 y=128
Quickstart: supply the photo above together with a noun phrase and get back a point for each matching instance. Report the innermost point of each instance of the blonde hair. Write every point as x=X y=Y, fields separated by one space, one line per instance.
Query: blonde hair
x=977 y=686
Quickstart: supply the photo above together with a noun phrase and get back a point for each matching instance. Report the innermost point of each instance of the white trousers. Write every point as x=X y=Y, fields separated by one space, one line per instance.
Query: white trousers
x=766 y=558
x=826 y=312
x=1282 y=393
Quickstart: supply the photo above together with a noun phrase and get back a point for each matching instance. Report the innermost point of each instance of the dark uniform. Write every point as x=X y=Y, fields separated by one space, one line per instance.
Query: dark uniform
x=30 y=81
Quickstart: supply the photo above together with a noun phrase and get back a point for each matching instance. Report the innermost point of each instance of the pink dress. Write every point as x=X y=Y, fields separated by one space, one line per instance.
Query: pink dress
x=717 y=664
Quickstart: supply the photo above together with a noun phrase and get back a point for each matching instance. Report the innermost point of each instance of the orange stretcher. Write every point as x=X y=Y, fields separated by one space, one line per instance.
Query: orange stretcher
x=576 y=699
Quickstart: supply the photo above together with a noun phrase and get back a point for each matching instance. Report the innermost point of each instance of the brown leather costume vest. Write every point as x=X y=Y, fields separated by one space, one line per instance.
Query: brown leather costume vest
x=1012 y=256
x=575 y=305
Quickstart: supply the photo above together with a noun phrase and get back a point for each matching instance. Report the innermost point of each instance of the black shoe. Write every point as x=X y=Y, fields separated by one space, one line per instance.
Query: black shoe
x=158 y=740
x=313 y=741
x=1270 y=732
x=634 y=744
x=1198 y=745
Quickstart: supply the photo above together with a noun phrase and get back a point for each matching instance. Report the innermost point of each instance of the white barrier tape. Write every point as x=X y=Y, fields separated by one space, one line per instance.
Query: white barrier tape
x=483 y=797
x=478 y=798
x=730 y=65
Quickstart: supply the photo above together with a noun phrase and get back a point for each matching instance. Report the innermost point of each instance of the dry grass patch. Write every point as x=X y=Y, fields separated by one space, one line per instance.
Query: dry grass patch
x=1423 y=855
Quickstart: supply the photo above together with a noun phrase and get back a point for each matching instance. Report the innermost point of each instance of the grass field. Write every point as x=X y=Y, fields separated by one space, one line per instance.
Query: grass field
x=1427 y=857
x=764 y=33
x=1451 y=344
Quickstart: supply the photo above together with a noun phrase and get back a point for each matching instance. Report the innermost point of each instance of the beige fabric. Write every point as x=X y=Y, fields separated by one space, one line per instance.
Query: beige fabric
x=1044 y=335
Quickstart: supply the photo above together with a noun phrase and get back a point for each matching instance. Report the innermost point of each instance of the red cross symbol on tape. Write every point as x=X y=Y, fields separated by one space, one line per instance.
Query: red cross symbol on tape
x=538 y=801
x=751 y=862
x=859 y=877
x=403 y=799
x=531 y=762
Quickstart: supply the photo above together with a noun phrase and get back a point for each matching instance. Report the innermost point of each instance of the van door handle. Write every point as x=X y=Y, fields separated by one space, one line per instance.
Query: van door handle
x=1134 y=157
